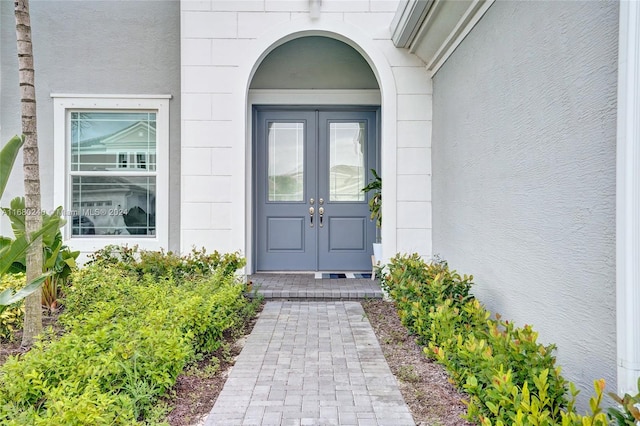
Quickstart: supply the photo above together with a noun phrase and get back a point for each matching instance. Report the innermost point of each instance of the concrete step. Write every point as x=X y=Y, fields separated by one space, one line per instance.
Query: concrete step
x=306 y=286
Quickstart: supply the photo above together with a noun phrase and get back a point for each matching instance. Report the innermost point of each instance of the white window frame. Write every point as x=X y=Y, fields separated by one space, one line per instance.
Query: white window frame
x=63 y=105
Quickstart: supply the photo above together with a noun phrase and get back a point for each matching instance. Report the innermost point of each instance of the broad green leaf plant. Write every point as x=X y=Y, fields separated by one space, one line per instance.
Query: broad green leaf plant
x=58 y=258
x=13 y=250
x=375 y=201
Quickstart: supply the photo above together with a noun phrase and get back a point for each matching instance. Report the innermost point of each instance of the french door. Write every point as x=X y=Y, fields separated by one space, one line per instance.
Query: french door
x=311 y=165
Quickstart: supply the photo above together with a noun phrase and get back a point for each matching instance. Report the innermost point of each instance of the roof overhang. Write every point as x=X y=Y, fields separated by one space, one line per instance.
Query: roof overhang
x=432 y=29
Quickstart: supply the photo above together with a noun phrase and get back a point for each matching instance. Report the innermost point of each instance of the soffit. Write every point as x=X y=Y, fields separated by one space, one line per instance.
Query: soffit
x=432 y=29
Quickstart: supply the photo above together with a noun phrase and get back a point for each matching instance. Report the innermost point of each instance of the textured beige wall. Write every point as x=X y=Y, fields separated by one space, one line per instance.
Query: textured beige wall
x=524 y=139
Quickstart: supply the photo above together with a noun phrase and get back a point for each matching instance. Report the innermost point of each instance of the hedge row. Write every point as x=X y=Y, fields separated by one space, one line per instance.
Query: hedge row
x=128 y=336
x=509 y=377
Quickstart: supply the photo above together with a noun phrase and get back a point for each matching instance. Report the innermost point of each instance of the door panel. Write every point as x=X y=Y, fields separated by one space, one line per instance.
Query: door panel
x=285 y=233
x=285 y=176
x=346 y=153
x=310 y=167
x=347 y=233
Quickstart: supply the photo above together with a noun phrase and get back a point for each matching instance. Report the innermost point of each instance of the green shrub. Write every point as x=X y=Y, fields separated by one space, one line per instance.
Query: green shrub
x=417 y=286
x=509 y=377
x=168 y=265
x=11 y=317
x=128 y=338
x=628 y=411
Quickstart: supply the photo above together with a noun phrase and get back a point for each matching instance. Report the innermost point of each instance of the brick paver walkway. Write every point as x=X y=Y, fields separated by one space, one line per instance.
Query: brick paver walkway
x=311 y=363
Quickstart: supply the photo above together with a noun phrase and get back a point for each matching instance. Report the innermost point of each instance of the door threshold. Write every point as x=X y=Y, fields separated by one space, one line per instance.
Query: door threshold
x=339 y=275
x=321 y=274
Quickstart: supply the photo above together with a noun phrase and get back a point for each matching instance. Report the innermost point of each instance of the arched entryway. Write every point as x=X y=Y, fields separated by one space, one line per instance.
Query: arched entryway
x=313 y=143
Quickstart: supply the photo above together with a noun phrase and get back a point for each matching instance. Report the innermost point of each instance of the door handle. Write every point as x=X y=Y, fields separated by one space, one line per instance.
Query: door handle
x=311 y=212
x=321 y=212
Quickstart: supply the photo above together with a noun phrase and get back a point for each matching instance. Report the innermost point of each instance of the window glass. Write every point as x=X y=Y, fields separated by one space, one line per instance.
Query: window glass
x=286 y=161
x=113 y=205
x=113 y=173
x=346 y=161
x=112 y=141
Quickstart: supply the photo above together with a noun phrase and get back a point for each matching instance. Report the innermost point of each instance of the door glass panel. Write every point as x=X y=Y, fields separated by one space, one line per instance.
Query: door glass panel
x=286 y=161
x=346 y=161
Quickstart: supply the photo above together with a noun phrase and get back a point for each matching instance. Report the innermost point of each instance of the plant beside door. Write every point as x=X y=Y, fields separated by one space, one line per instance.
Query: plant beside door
x=374 y=189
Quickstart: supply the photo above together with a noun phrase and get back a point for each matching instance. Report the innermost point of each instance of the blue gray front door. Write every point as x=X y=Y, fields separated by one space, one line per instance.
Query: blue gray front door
x=311 y=165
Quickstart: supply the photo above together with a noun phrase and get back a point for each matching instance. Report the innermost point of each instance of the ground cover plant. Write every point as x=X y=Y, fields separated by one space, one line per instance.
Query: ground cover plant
x=11 y=315
x=133 y=320
x=509 y=378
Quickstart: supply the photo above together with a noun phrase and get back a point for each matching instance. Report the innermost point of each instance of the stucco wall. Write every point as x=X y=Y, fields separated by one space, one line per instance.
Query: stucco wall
x=225 y=41
x=524 y=136
x=98 y=47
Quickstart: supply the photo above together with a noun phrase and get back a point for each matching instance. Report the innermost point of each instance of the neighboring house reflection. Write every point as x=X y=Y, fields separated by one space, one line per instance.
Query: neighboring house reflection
x=116 y=195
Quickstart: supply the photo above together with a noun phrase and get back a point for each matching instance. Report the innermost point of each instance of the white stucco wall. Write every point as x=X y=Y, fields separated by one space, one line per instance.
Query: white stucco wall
x=223 y=43
x=524 y=155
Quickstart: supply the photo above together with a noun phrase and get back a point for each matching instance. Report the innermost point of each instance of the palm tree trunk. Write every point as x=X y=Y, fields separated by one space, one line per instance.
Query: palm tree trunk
x=33 y=218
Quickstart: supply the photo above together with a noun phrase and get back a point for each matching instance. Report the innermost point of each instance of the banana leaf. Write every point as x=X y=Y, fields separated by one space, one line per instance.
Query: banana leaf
x=18 y=247
x=8 y=156
x=8 y=297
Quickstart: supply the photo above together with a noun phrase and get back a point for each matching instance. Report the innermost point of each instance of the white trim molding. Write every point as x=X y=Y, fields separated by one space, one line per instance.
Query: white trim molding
x=433 y=29
x=405 y=24
x=314 y=97
x=62 y=105
x=628 y=199
x=108 y=96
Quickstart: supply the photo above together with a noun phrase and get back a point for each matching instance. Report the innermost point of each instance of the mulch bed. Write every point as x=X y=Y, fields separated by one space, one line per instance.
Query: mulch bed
x=425 y=386
x=198 y=387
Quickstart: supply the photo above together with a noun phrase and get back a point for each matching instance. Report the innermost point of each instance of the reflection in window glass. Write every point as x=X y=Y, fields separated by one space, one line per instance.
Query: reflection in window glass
x=112 y=141
x=286 y=162
x=108 y=205
x=113 y=173
x=346 y=161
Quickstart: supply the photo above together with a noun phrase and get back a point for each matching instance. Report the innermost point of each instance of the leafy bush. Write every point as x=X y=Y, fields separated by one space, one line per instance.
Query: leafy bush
x=128 y=337
x=510 y=378
x=628 y=412
x=167 y=265
x=11 y=317
x=417 y=286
